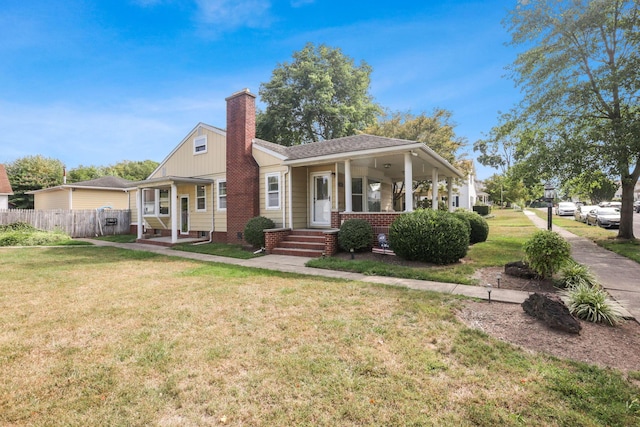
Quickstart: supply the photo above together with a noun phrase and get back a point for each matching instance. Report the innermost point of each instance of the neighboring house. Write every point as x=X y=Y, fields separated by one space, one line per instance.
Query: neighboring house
x=5 y=188
x=214 y=181
x=105 y=192
x=466 y=195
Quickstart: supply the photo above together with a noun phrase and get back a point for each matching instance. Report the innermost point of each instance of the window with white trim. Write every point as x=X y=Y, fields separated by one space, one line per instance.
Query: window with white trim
x=149 y=201
x=201 y=198
x=373 y=195
x=200 y=144
x=272 y=191
x=163 y=202
x=356 y=195
x=156 y=200
x=222 y=195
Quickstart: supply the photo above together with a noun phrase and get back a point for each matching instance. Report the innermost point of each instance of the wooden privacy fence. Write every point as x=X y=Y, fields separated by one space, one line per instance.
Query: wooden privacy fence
x=76 y=223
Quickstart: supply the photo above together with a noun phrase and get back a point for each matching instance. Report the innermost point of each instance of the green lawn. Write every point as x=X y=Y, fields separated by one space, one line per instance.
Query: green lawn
x=104 y=336
x=508 y=230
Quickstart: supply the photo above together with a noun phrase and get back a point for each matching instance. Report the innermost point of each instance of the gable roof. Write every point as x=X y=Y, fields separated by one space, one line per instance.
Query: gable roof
x=102 y=183
x=351 y=147
x=5 y=185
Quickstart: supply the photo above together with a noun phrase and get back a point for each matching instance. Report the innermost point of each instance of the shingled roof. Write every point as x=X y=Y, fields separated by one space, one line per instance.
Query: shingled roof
x=346 y=144
x=5 y=185
x=105 y=182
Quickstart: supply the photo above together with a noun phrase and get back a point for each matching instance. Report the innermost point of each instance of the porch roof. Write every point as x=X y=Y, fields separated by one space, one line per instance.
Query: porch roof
x=367 y=149
x=166 y=181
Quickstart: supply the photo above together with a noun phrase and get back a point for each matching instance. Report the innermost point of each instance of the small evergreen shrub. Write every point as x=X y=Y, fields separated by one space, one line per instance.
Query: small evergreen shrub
x=546 y=252
x=432 y=236
x=254 y=230
x=592 y=303
x=479 y=226
x=482 y=209
x=356 y=234
x=575 y=274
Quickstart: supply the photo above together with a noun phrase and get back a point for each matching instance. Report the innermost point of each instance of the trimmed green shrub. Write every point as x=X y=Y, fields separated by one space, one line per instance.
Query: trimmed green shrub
x=432 y=236
x=479 y=227
x=592 y=303
x=482 y=209
x=254 y=230
x=32 y=237
x=546 y=252
x=356 y=234
x=574 y=274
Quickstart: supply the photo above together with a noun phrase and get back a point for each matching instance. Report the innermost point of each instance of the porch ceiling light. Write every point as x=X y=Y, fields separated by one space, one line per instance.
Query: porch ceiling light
x=387 y=165
x=414 y=154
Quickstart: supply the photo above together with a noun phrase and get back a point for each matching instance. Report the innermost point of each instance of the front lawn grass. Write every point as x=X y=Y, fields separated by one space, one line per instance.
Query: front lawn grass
x=105 y=336
x=119 y=238
x=508 y=230
x=220 y=249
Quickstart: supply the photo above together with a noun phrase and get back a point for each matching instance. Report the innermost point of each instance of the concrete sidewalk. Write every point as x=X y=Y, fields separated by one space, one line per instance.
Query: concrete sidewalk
x=295 y=264
x=620 y=276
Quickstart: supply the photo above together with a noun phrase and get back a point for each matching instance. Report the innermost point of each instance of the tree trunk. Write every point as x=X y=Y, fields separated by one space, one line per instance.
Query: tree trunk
x=626 y=211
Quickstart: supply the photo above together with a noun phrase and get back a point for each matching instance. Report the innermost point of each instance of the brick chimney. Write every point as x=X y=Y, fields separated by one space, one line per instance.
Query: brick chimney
x=243 y=191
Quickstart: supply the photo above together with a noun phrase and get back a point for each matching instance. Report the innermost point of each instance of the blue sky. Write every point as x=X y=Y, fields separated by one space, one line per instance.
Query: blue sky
x=98 y=82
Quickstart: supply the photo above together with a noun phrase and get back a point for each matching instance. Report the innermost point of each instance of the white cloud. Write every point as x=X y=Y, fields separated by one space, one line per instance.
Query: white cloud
x=220 y=15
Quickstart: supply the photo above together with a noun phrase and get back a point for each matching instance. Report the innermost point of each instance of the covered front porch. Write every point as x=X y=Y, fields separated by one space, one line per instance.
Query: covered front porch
x=168 y=206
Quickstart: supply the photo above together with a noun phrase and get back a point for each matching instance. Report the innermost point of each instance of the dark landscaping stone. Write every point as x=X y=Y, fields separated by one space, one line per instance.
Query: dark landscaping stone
x=519 y=269
x=551 y=310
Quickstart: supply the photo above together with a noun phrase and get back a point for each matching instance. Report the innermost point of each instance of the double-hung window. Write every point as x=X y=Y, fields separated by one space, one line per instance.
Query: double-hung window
x=156 y=201
x=272 y=191
x=201 y=198
x=222 y=195
x=356 y=195
x=200 y=144
x=373 y=195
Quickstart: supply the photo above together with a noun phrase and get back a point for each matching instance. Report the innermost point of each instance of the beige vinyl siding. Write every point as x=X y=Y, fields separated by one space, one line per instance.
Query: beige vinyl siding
x=94 y=199
x=133 y=204
x=183 y=162
x=198 y=221
x=265 y=160
x=58 y=199
x=300 y=197
x=219 y=217
x=273 y=214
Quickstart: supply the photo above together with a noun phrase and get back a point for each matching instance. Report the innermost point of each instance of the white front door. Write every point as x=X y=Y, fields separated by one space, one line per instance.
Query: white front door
x=321 y=199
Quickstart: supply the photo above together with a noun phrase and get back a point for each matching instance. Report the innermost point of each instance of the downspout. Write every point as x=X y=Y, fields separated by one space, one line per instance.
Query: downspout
x=213 y=222
x=290 y=197
x=284 y=208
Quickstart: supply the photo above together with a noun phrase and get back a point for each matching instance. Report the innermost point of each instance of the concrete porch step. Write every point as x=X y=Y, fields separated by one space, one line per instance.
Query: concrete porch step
x=296 y=244
x=297 y=252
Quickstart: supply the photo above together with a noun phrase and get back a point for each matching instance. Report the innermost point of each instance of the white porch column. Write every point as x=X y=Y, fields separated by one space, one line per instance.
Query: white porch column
x=450 y=193
x=140 y=210
x=408 y=183
x=434 y=189
x=348 y=199
x=173 y=196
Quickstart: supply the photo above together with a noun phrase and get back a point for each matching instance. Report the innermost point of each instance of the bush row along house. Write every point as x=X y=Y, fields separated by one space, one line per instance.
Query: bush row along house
x=215 y=180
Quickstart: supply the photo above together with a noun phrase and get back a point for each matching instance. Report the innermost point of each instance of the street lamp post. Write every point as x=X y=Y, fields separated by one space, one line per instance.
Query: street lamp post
x=549 y=195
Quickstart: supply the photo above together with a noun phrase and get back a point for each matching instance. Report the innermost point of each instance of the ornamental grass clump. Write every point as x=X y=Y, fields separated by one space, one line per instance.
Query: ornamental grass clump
x=546 y=252
x=426 y=235
x=574 y=274
x=254 y=230
x=355 y=234
x=593 y=304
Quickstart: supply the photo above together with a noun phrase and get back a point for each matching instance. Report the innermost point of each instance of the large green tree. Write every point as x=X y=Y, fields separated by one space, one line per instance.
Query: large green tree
x=32 y=173
x=579 y=75
x=322 y=94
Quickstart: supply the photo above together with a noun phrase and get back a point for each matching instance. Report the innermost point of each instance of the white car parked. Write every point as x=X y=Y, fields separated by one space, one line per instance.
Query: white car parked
x=565 y=208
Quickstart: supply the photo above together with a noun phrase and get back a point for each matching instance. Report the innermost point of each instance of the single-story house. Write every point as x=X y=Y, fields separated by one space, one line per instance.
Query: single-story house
x=105 y=192
x=5 y=188
x=216 y=180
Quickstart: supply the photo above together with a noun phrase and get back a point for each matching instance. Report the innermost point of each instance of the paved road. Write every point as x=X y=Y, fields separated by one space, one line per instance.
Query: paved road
x=636 y=223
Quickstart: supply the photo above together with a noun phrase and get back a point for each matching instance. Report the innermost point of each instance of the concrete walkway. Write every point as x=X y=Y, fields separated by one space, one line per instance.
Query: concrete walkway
x=620 y=276
x=295 y=264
